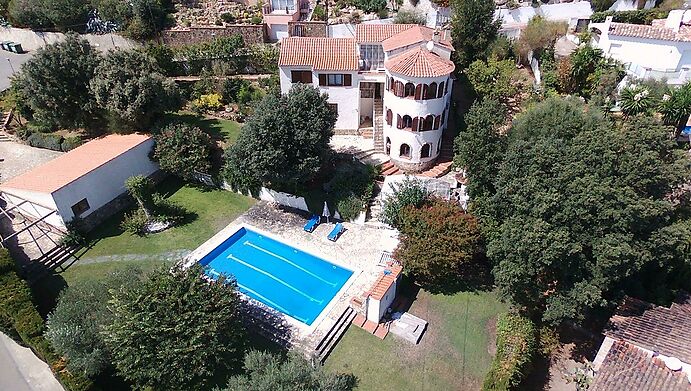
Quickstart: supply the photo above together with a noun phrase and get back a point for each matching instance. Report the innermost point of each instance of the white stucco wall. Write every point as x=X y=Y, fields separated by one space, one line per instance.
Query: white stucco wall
x=347 y=98
x=630 y=5
x=376 y=309
x=103 y=184
x=648 y=53
x=40 y=205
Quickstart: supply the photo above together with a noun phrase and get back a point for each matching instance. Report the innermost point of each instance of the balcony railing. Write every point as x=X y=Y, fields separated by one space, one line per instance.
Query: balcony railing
x=671 y=76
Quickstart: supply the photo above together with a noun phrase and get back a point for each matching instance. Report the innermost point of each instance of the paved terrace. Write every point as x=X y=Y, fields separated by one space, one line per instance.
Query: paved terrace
x=358 y=248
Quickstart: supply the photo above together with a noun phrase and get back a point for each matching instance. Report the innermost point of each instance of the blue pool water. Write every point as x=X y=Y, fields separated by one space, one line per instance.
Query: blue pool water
x=284 y=278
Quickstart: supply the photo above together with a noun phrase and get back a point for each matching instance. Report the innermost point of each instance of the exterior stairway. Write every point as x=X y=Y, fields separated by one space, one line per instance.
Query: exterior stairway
x=445 y=160
x=388 y=168
x=332 y=337
x=378 y=125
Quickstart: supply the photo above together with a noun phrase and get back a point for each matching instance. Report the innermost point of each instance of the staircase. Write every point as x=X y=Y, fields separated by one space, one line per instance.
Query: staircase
x=366 y=132
x=445 y=159
x=378 y=125
x=331 y=338
x=4 y=138
x=388 y=168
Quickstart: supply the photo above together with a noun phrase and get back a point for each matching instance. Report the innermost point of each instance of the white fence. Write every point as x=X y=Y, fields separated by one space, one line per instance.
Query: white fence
x=284 y=199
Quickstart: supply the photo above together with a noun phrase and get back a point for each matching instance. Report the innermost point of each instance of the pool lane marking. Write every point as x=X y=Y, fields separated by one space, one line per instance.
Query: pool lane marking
x=248 y=243
x=285 y=311
x=240 y=261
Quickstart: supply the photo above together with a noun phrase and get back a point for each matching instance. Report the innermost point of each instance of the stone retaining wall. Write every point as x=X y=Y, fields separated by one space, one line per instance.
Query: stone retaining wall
x=251 y=34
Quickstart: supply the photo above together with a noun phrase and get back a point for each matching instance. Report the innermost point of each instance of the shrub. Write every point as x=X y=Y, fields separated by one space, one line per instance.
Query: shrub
x=46 y=140
x=70 y=143
x=370 y=6
x=75 y=234
x=256 y=19
x=135 y=222
x=636 y=100
x=319 y=14
x=182 y=149
x=516 y=345
x=408 y=16
x=208 y=102
x=383 y=13
x=645 y=16
x=410 y=192
x=167 y=210
x=228 y=17
x=231 y=88
x=350 y=207
x=263 y=58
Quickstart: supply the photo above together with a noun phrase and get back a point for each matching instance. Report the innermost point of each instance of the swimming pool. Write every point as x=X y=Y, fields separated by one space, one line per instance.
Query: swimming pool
x=284 y=278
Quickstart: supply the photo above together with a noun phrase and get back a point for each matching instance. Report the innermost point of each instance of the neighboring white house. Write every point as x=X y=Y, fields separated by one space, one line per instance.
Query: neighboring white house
x=278 y=13
x=513 y=21
x=435 y=15
x=658 y=51
x=632 y=5
x=393 y=80
x=81 y=181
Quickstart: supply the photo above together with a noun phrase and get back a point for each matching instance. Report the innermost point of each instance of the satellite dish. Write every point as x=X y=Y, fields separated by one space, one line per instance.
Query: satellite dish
x=430 y=45
x=673 y=363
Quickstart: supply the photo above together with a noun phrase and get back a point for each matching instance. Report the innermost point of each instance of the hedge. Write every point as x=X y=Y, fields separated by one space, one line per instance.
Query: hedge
x=54 y=142
x=20 y=320
x=516 y=346
x=632 y=17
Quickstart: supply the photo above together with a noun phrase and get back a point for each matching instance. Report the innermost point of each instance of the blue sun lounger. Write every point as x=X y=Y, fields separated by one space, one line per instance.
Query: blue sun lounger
x=312 y=223
x=336 y=232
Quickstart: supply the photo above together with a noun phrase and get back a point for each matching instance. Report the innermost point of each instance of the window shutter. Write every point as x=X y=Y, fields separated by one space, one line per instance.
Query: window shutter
x=418 y=92
x=415 y=123
x=322 y=79
x=389 y=117
x=399 y=122
x=441 y=90
x=424 y=91
x=347 y=80
x=443 y=116
x=294 y=76
x=437 y=120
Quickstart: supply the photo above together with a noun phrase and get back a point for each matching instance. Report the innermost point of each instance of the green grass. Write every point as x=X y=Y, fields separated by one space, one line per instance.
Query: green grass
x=453 y=352
x=220 y=129
x=211 y=209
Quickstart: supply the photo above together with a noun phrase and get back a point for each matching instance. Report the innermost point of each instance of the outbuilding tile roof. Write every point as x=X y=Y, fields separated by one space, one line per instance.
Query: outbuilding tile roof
x=384 y=281
x=666 y=330
x=657 y=31
x=628 y=368
x=322 y=54
x=65 y=169
x=419 y=62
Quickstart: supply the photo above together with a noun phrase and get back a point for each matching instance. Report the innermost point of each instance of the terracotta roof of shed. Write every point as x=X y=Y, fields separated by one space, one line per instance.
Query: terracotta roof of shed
x=666 y=330
x=628 y=368
x=384 y=282
x=323 y=54
x=65 y=169
x=657 y=31
x=419 y=62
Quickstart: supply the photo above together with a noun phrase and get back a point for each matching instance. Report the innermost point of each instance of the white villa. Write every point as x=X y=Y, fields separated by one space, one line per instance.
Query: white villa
x=392 y=81
x=659 y=51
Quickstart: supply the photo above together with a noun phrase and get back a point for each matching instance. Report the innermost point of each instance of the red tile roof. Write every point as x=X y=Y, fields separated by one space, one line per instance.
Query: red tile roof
x=384 y=282
x=650 y=32
x=375 y=33
x=414 y=35
x=322 y=54
x=419 y=62
x=65 y=169
x=666 y=330
x=628 y=368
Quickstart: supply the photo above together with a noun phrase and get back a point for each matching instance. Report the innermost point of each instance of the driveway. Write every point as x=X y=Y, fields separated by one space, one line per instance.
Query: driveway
x=16 y=158
x=21 y=370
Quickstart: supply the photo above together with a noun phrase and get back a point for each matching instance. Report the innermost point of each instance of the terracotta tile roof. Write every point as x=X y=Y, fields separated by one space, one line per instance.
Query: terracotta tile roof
x=419 y=62
x=323 y=54
x=413 y=35
x=628 y=368
x=65 y=169
x=659 y=329
x=384 y=282
x=650 y=32
x=371 y=33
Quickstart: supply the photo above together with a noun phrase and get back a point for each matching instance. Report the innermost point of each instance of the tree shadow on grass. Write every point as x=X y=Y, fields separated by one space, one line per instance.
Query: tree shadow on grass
x=476 y=277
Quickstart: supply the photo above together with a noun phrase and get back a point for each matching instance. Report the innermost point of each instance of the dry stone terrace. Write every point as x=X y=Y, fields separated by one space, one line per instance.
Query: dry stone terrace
x=359 y=249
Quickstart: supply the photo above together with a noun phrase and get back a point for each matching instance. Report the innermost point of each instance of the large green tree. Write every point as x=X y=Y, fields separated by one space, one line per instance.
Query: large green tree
x=74 y=327
x=473 y=30
x=183 y=150
x=440 y=246
x=284 y=143
x=270 y=372
x=131 y=87
x=583 y=210
x=54 y=83
x=176 y=330
x=494 y=79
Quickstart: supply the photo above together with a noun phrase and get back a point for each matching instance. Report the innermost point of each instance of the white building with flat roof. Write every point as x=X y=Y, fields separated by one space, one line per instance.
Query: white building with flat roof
x=392 y=81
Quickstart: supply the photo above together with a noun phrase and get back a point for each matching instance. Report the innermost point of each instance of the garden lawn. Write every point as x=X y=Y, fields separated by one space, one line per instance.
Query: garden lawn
x=211 y=211
x=452 y=355
x=220 y=129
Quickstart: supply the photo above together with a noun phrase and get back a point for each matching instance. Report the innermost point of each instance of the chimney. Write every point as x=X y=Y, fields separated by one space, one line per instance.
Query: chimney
x=435 y=35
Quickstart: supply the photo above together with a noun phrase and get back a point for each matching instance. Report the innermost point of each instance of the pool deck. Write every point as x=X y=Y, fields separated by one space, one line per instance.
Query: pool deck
x=358 y=249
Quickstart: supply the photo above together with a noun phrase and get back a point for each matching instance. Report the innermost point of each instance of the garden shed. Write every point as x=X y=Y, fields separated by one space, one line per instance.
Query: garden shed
x=87 y=182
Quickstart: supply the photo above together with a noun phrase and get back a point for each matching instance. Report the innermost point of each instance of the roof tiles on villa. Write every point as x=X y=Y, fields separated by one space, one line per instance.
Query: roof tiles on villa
x=65 y=169
x=656 y=31
x=414 y=35
x=419 y=62
x=375 y=33
x=323 y=54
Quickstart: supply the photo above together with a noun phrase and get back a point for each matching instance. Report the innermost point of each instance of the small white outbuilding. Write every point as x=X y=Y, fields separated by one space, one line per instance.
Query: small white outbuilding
x=85 y=182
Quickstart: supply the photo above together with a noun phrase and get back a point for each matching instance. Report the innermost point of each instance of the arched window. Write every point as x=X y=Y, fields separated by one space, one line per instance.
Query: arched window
x=437 y=121
x=431 y=91
x=418 y=92
x=399 y=121
x=440 y=93
x=426 y=150
x=416 y=124
x=391 y=84
x=398 y=89
x=389 y=117
x=407 y=122
x=404 y=151
x=439 y=145
x=428 y=123
x=409 y=89
x=388 y=146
